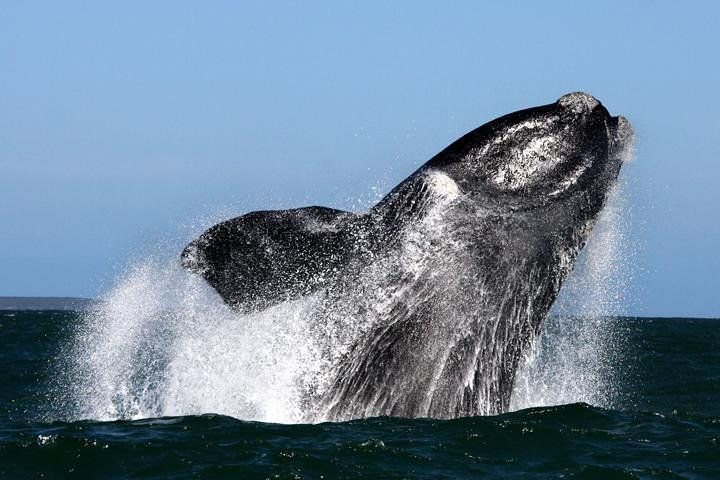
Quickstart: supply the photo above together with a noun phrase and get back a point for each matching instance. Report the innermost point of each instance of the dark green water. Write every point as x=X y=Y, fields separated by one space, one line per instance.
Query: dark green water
x=666 y=424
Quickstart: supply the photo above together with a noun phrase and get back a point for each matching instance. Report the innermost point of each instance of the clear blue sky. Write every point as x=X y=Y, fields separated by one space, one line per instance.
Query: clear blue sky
x=121 y=124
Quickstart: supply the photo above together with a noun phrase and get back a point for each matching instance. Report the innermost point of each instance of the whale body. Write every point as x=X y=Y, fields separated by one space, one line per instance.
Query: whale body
x=425 y=303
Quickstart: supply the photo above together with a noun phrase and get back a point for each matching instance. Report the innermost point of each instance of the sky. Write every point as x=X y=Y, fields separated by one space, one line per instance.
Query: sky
x=128 y=125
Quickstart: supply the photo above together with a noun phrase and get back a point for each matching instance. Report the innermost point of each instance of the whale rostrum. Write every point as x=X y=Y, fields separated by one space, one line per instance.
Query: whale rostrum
x=425 y=303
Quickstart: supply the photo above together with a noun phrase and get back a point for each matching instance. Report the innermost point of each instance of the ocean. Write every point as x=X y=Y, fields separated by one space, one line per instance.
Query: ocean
x=655 y=414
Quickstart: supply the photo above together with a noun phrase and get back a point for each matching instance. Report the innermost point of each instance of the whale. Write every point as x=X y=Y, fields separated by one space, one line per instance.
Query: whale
x=424 y=304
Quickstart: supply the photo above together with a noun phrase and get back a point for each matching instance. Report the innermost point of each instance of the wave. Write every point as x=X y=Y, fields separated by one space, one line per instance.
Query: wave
x=571 y=440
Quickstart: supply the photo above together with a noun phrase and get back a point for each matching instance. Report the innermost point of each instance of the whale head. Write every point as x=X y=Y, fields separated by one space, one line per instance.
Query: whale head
x=541 y=155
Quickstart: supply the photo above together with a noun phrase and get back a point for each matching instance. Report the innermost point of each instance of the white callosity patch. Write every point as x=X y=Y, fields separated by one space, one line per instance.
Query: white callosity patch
x=578 y=102
x=443 y=185
x=625 y=137
x=520 y=165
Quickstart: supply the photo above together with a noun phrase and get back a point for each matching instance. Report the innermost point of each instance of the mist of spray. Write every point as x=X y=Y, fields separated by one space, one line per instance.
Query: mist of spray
x=161 y=343
x=578 y=353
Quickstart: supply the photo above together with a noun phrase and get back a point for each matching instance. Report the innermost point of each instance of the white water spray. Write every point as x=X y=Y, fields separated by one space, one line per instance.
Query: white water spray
x=576 y=356
x=161 y=343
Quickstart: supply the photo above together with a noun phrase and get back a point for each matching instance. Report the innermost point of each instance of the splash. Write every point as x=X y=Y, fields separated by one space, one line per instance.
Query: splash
x=161 y=343
x=578 y=353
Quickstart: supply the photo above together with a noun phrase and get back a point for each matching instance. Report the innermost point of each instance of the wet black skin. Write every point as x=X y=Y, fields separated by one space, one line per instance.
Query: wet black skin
x=537 y=206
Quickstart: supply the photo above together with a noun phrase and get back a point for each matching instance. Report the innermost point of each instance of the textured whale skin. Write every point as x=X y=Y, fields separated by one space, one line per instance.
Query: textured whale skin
x=451 y=273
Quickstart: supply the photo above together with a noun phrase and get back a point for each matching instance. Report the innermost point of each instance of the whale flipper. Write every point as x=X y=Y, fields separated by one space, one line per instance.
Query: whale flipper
x=263 y=258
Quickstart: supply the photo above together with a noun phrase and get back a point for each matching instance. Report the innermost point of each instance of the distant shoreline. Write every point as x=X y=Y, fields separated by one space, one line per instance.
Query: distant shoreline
x=8 y=304
x=45 y=303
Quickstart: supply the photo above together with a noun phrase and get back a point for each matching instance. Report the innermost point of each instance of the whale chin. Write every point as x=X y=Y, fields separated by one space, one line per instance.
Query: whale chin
x=425 y=303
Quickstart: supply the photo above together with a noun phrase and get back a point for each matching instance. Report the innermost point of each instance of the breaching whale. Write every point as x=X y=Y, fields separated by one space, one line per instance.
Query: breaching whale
x=426 y=302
